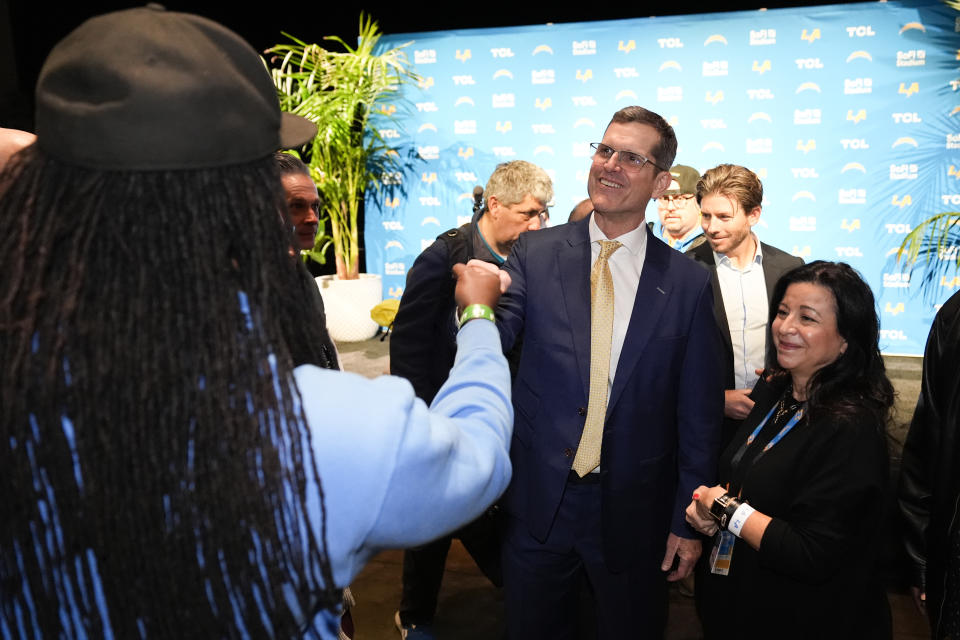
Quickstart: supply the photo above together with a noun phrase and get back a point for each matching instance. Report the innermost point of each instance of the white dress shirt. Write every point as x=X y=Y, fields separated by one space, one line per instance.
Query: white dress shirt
x=745 y=302
x=626 y=264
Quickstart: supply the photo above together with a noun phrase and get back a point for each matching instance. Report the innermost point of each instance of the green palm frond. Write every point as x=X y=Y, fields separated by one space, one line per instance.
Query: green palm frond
x=345 y=94
x=934 y=247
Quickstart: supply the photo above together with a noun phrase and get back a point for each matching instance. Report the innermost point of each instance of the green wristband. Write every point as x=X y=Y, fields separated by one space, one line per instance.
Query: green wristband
x=474 y=311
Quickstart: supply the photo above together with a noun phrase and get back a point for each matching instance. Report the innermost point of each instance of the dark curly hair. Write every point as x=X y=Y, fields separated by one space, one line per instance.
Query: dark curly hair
x=856 y=382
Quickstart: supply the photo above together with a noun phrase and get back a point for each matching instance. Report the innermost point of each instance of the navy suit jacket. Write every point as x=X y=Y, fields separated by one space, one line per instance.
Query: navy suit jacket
x=665 y=408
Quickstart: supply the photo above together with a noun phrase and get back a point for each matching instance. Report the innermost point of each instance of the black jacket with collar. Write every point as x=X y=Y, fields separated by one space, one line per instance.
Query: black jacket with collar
x=775 y=264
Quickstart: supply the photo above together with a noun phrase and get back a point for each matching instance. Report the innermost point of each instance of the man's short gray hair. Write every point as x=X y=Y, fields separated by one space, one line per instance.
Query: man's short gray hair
x=511 y=181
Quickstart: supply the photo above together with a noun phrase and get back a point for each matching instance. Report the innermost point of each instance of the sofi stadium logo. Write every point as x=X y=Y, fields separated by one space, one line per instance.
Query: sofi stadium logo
x=715 y=68
x=669 y=94
x=896 y=281
x=503 y=100
x=806 y=116
x=542 y=76
x=425 y=56
x=759 y=145
x=856 y=86
x=953 y=141
x=394 y=268
x=903 y=171
x=429 y=153
x=911 y=58
x=852 y=196
x=803 y=223
x=763 y=37
x=584 y=47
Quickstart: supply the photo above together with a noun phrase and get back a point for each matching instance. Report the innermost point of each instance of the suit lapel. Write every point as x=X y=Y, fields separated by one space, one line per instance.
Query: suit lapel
x=771 y=270
x=704 y=255
x=573 y=265
x=653 y=291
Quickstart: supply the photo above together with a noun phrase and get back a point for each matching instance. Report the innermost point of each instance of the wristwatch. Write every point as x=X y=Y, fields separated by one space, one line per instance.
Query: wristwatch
x=723 y=508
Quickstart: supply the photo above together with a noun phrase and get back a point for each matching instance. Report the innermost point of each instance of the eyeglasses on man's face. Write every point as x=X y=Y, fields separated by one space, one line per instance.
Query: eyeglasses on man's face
x=627 y=159
x=678 y=200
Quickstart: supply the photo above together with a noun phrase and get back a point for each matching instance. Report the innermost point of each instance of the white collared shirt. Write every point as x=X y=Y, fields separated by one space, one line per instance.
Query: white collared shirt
x=626 y=264
x=745 y=303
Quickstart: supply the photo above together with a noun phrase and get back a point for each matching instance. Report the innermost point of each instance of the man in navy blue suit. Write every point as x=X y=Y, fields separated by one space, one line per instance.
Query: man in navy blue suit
x=652 y=412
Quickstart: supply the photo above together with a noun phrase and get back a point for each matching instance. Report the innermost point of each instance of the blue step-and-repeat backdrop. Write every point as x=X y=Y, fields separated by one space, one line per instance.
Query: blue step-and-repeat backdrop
x=850 y=114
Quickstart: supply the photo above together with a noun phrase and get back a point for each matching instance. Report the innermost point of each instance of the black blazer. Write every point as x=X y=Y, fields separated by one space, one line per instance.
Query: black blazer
x=775 y=264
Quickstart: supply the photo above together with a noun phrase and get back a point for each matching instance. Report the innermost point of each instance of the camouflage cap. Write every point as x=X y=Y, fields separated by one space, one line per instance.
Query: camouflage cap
x=684 y=180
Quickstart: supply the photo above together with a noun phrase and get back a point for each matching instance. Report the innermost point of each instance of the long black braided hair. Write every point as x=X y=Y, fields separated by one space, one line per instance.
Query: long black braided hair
x=154 y=456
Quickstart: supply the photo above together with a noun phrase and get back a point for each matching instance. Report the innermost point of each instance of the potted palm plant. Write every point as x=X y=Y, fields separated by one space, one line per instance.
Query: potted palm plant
x=348 y=94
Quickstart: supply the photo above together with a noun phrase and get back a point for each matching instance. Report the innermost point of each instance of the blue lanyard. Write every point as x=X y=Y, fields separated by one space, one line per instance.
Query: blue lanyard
x=735 y=462
x=786 y=429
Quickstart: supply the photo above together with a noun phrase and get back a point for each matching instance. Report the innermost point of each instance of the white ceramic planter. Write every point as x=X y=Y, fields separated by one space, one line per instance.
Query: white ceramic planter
x=348 y=304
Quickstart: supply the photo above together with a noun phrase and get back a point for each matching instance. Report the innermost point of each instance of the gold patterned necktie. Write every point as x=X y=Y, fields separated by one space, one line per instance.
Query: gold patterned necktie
x=601 y=334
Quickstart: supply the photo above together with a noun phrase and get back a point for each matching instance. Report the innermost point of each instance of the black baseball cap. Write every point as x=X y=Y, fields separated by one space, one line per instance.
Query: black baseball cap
x=151 y=89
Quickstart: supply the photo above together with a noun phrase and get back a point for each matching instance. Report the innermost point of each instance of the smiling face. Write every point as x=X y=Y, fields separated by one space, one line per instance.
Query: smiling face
x=725 y=223
x=805 y=331
x=617 y=190
x=303 y=205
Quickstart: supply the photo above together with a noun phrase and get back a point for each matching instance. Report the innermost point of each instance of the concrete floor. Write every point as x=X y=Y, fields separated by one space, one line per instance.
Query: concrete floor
x=471 y=609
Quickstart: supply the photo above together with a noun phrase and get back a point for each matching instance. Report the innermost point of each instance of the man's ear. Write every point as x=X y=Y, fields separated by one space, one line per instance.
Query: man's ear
x=661 y=183
x=493 y=206
x=753 y=217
